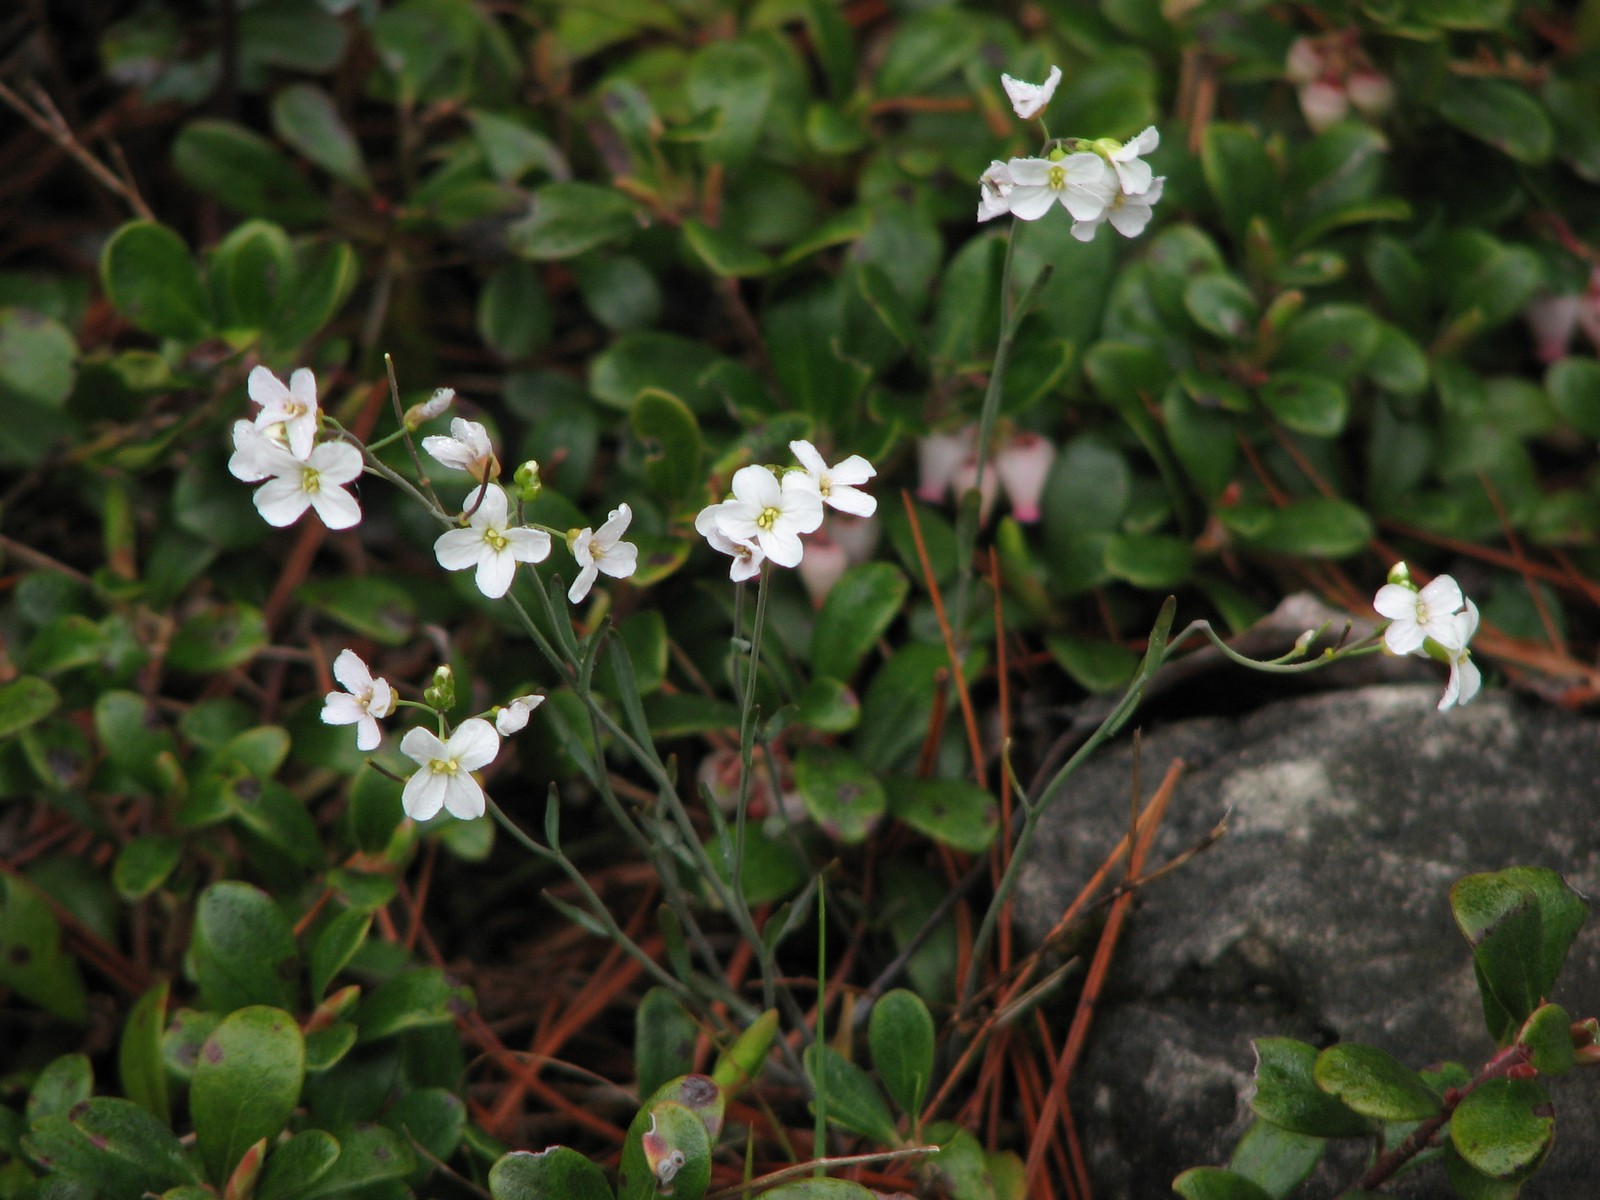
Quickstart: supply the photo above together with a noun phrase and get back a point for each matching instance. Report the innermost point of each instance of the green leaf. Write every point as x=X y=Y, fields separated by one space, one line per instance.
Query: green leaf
x=245 y=172
x=248 y=273
x=951 y=811
x=664 y=1035
x=306 y=117
x=139 y=1061
x=113 y=1145
x=1331 y=340
x=673 y=444
x=663 y=1131
x=725 y=254
x=1096 y=666
x=841 y=794
x=1317 y=527
x=901 y=1036
x=858 y=610
x=415 y=998
x=296 y=1165
x=735 y=82
x=1373 y=1083
x=1504 y=1127
x=1470 y=1184
x=143 y=864
x=741 y=1062
x=926 y=49
x=1241 y=177
x=38 y=359
x=334 y=946
x=558 y=1173
x=1548 y=1036
x=820 y=1189
x=218 y=638
x=1274 y=1159
x=1398 y=364
x=1215 y=1183
x=1307 y=403
x=846 y=1095
x=568 y=219
x=772 y=870
x=1500 y=113
x=619 y=290
x=432 y=1117
x=828 y=706
x=325 y=273
x=374 y=606
x=368 y=1154
x=246 y=1084
x=1221 y=305
x=64 y=1082
x=513 y=149
x=148 y=276
x=32 y=961
x=660 y=361
x=24 y=702
x=1574 y=387
x=1462 y=14
x=1148 y=560
x=243 y=950
x=1287 y=1094
x=513 y=310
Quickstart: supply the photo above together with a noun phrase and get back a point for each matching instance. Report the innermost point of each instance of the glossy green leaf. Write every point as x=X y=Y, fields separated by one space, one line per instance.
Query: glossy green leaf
x=734 y=81
x=667 y=1137
x=828 y=706
x=1241 y=177
x=325 y=274
x=1148 y=560
x=1286 y=1092
x=64 y=1082
x=900 y=1035
x=368 y=1155
x=672 y=443
x=25 y=702
x=725 y=253
x=1096 y=666
x=114 y=1146
x=244 y=171
x=513 y=149
x=858 y=610
x=1503 y=1127
x=568 y=219
x=432 y=1117
x=1275 y=1159
x=246 y=1084
x=295 y=1166
x=619 y=290
x=1332 y=340
x=1216 y=1183
x=1398 y=364
x=927 y=48
x=143 y=864
x=1221 y=305
x=374 y=606
x=1547 y=1034
x=846 y=1094
x=951 y=811
x=841 y=794
x=415 y=998
x=249 y=272
x=1500 y=113
x=218 y=638
x=139 y=1060
x=558 y=1173
x=243 y=950
x=1374 y=1083
x=334 y=946
x=147 y=274
x=33 y=962
x=1574 y=387
x=1317 y=527
x=1307 y=403
x=514 y=315
x=742 y=1061
x=38 y=359
x=664 y=1035
x=660 y=361
x=306 y=117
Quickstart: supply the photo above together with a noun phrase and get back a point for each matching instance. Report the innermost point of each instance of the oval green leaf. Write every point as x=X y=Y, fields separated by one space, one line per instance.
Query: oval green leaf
x=951 y=811
x=900 y=1034
x=246 y=1084
x=1286 y=1092
x=1373 y=1083
x=243 y=950
x=846 y=1095
x=147 y=274
x=859 y=608
x=558 y=1173
x=1503 y=1127
x=841 y=794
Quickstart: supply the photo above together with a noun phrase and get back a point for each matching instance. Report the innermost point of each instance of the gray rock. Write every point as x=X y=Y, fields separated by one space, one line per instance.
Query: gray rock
x=1323 y=913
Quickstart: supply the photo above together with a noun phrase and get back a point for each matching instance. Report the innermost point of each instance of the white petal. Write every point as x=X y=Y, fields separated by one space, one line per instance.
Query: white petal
x=463 y=798
x=806 y=454
x=756 y=486
x=1396 y=602
x=620 y=561
x=1442 y=595
x=581 y=585
x=336 y=462
x=341 y=708
x=616 y=525
x=337 y=508
x=527 y=545
x=474 y=743
x=495 y=573
x=424 y=793
x=265 y=388
x=459 y=549
x=852 y=500
x=782 y=545
x=1030 y=202
x=281 y=501
x=352 y=672
x=422 y=746
x=368 y=735
x=491 y=512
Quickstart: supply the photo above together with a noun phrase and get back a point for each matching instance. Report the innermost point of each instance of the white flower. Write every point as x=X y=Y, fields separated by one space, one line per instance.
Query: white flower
x=747 y=556
x=514 y=716
x=603 y=551
x=939 y=457
x=1128 y=214
x=1029 y=99
x=771 y=513
x=490 y=546
x=444 y=775
x=364 y=701
x=466 y=449
x=838 y=485
x=293 y=407
x=994 y=191
x=1465 y=678
x=1133 y=173
x=420 y=414
x=1415 y=616
x=1023 y=465
x=1083 y=183
x=295 y=484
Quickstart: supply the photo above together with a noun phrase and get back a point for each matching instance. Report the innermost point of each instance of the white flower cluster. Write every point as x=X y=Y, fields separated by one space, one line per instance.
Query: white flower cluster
x=766 y=515
x=1435 y=622
x=443 y=780
x=279 y=450
x=1098 y=182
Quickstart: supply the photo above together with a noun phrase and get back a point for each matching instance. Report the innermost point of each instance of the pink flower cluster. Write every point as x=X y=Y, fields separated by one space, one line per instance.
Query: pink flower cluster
x=1020 y=467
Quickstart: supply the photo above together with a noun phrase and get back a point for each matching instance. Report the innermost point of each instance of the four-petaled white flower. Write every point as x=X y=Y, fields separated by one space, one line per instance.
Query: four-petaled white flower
x=994 y=191
x=1029 y=99
x=838 y=485
x=747 y=556
x=1082 y=183
x=293 y=408
x=1133 y=173
x=1127 y=212
x=603 y=550
x=771 y=513
x=490 y=546
x=366 y=699
x=443 y=779
x=296 y=484
x=1465 y=678
x=1416 y=616
x=466 y=449
x=511 y=718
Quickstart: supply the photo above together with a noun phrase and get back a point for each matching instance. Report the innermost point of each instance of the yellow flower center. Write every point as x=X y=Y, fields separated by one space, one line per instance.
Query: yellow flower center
x=768 y=518
x=443 y=766
x=1057 y=179
x=497 y=541
x=310 y=482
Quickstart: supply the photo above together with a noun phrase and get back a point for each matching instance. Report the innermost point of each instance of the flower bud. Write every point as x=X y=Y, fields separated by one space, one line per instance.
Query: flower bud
x=1370 y=92
x=420 y=414
x=441 y=693
x=1401 y=574
x=525 y=482
x=1023 y=465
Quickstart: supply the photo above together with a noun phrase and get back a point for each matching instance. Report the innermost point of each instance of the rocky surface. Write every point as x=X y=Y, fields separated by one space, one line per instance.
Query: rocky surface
x=1323 y=913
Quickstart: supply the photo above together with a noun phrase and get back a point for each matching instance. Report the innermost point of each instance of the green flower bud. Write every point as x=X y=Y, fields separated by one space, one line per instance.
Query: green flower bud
x=441 y=693
x=1400 y=574
x=525 y=482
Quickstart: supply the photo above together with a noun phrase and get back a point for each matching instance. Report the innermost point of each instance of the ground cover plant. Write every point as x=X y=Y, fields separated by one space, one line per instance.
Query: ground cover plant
x=552 y=551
